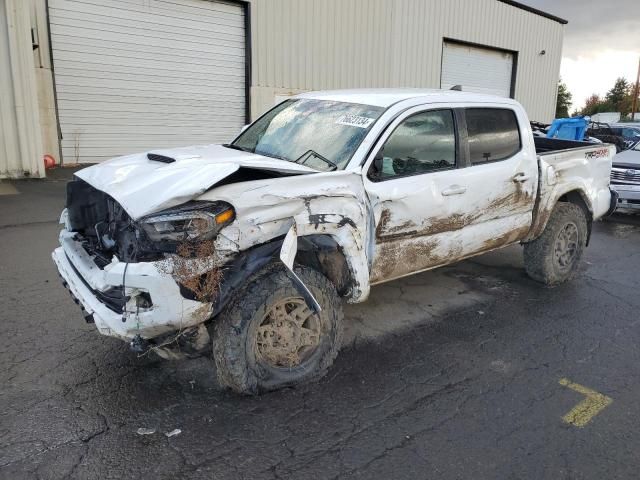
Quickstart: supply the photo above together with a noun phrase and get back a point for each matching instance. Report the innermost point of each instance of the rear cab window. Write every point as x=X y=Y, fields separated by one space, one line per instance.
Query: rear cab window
x=493 y=134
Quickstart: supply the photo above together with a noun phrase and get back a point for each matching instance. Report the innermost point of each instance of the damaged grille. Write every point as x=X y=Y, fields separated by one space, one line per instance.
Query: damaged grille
x=104 y=228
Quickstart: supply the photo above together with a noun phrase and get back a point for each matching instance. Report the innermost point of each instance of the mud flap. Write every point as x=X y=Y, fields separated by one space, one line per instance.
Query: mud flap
x=287 y=256
x=613 y=204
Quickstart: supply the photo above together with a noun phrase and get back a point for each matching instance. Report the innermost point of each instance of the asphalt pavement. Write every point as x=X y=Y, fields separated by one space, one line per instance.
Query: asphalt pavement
x=470 y=371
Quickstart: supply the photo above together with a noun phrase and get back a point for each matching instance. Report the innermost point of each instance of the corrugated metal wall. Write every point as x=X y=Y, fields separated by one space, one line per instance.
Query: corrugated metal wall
x=20 y=131
x=297 y=45
x=310 y=45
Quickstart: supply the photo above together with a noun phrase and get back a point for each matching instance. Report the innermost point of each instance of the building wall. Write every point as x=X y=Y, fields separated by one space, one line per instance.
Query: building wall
x=297 y=45
x=300 y=45
x=21 y=147
x=44 y=80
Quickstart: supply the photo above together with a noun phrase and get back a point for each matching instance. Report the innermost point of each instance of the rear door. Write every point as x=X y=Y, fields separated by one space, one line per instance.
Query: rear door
x=501 y=177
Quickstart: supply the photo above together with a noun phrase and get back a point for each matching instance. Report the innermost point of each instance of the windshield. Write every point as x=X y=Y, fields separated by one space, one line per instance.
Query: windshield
x=321 y=134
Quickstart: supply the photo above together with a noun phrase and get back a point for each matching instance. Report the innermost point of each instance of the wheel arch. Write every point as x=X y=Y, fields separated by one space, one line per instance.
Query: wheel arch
x=324 y=254
x=575 y=195
x=343 y=264
x=578 y=197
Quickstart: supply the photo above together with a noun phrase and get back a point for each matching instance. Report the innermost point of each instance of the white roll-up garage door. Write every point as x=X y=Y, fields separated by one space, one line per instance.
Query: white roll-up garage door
x=479 y=70
x=134 y=75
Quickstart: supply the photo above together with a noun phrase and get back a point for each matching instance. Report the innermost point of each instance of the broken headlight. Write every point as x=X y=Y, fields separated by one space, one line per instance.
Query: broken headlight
x=192 y=221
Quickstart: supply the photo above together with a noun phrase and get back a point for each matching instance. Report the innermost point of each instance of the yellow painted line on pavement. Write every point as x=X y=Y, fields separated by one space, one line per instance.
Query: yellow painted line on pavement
x=588 y=408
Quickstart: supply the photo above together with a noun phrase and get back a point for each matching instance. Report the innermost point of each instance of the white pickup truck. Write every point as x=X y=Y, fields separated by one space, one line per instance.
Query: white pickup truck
x=257 y=242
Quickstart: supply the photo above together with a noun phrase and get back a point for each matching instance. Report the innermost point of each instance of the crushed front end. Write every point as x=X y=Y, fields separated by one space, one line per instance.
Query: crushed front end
x=119 y=275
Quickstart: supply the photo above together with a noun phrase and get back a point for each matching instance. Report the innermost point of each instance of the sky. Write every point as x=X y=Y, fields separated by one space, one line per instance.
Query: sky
x=601 y=43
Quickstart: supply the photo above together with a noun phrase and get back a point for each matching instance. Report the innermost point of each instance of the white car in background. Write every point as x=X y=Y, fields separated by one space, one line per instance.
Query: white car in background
x=625 y=177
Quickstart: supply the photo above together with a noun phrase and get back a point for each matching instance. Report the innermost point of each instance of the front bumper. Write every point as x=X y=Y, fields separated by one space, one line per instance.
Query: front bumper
x=628 y=196
x=87 y=283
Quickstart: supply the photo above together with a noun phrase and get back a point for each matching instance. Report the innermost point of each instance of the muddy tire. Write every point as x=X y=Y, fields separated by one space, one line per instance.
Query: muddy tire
x=554 y=257
x=267 y=338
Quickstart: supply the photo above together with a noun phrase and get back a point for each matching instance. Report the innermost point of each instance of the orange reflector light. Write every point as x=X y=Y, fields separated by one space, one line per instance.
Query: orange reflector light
x=224 y=216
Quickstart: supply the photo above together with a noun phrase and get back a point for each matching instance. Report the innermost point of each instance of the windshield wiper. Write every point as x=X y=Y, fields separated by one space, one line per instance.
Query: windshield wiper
x=271 y=155
x=313 y=154
x=242 y=149
x=236 y=147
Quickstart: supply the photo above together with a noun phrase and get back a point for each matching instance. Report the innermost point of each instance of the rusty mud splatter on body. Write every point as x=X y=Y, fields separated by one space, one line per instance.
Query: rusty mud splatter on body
x=516 y=198
x=382 y=224
x=403 y=226
x=519 y=197
x=456 y=221
x=195 y=267
x=505 y=239
x=394 y=259
x=438 y=225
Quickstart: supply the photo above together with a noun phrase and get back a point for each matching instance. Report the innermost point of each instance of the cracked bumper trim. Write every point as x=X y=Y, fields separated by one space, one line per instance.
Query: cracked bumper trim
x=170 y=311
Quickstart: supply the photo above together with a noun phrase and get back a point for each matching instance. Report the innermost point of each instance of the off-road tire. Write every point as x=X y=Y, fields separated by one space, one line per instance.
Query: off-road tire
x=540 y=260
x=239 y=365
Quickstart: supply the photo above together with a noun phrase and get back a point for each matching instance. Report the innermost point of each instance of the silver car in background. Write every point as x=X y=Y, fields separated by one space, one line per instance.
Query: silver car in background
x=625 y=177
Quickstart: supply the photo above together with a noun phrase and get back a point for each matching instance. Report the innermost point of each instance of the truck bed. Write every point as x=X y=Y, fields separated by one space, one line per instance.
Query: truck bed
x=567 y=166
x=546 y=146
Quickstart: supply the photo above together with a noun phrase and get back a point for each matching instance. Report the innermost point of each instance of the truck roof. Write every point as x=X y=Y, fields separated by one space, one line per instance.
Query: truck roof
x=385 y=97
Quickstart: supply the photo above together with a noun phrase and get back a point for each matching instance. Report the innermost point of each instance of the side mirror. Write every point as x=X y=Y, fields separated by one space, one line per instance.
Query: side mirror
x=377 y=165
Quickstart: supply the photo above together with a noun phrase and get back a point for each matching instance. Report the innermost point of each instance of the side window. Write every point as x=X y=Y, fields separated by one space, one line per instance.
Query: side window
x=493 y=134
x=422 y=143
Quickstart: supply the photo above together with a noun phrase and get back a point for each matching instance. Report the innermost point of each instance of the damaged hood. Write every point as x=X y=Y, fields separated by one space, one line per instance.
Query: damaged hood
x=144 y=186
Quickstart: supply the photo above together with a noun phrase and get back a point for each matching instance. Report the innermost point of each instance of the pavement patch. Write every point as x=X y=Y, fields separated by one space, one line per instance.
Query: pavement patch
x=7 y=188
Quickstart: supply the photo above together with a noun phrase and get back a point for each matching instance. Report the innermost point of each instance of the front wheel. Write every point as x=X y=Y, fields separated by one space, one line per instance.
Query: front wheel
x=554 y=257
x=268 y=338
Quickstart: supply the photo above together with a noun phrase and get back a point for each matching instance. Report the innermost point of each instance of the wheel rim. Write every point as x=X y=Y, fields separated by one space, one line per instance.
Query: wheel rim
x=566 y=246
x=289 y=334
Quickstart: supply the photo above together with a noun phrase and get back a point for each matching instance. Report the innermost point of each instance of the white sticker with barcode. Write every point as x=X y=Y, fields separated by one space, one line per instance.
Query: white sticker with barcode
x=355 y=121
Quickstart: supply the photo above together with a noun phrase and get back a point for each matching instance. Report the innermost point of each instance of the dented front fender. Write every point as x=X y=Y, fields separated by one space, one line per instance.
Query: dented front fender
x=333 y=204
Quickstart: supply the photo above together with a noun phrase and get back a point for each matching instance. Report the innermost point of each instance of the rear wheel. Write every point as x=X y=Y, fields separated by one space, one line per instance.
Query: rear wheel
x=268 y=338
x=554 y=257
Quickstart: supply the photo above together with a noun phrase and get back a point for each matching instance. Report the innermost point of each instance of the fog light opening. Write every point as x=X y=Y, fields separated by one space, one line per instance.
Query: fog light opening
x=143 y=300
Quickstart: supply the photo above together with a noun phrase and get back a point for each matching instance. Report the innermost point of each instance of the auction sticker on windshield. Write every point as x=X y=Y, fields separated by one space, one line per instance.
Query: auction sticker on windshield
x=355 y=121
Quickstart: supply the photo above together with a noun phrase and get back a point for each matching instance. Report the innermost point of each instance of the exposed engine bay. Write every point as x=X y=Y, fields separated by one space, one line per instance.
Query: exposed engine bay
x=105 y=227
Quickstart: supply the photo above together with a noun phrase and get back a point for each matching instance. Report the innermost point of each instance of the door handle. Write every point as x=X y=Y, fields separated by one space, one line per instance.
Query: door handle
x=453 y=190
x=521 y=177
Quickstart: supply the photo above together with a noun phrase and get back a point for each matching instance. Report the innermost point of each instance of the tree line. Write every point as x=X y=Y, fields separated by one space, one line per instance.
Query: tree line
x=618 y=99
